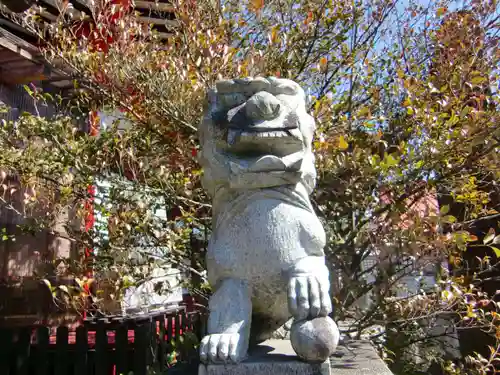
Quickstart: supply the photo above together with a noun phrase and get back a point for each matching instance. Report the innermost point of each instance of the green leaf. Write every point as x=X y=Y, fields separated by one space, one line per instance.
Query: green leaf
x=444 y=209
x=450 y=219
x=496 y=250
x=28 y=90
x=64 y=288
x=465 y=111
x=432 y=87
x=489 y=237
x=79 y=282
x=446 y=295
x=47 y=282
x=391 y=161
x=477 y=80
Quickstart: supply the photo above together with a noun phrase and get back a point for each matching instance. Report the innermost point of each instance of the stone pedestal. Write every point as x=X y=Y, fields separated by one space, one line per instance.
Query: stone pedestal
x=273 y=357
x=357 y=358
x=276 y=357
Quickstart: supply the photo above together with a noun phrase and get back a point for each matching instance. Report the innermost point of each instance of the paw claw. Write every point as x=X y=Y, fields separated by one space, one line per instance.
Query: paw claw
x=204 y=349
x=235 y=348
x=225 y=347
x=213 y=348
x=308 y=296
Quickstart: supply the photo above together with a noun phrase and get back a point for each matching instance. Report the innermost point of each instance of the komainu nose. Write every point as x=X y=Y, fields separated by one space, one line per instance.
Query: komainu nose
x=262 y=106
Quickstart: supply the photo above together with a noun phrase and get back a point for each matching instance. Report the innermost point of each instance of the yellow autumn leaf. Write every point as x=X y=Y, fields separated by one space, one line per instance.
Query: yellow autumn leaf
x=446 y=295
x=256 y=5
x=323 y=63
x=470 y=312
x=472 y=237
x=317 y=105
x=441 y=11
x=364 y=111
x=274 y=35
x=343 y=145
x=317 y=145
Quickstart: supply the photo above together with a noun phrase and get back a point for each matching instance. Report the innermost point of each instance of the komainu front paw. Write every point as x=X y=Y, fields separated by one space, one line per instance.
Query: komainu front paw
x=223 y=348
x=309 y=289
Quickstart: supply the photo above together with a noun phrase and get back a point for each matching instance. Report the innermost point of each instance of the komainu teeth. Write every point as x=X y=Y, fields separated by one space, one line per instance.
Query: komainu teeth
x=272 y=134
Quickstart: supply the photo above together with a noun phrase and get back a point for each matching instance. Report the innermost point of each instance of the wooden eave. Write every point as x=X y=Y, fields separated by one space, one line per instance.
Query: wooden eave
x=20 y=58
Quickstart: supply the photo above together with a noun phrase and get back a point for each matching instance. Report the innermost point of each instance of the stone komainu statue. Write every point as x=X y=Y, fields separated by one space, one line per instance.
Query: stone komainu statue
x=265 y=257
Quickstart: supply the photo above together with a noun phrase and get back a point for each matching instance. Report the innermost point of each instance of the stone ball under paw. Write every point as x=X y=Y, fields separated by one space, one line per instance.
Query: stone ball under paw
x=314 y=340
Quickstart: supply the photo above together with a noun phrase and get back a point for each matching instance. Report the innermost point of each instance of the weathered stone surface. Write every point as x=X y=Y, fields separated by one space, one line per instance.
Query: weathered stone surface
x=265 y=257
x=314 y=339
x=276 y=357
x=262 y=105
x=357 y=358
x=273 y=357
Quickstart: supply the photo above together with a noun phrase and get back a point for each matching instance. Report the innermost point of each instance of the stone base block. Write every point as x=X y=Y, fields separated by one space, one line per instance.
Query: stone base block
x=273 y=357
x=357 y=358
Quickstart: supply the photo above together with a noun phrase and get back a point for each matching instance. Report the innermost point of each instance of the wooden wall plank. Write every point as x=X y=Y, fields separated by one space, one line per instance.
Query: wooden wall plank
x=162 y=347
x=62 y=352
x=6 y=351
x=42 y=351
x=81 y=351
x=141 y=344
x=122 y=349
x=23 y=351
x=101 y=348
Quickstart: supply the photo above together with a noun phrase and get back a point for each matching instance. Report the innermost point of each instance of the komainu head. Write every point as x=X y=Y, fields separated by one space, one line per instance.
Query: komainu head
x=257 y=128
